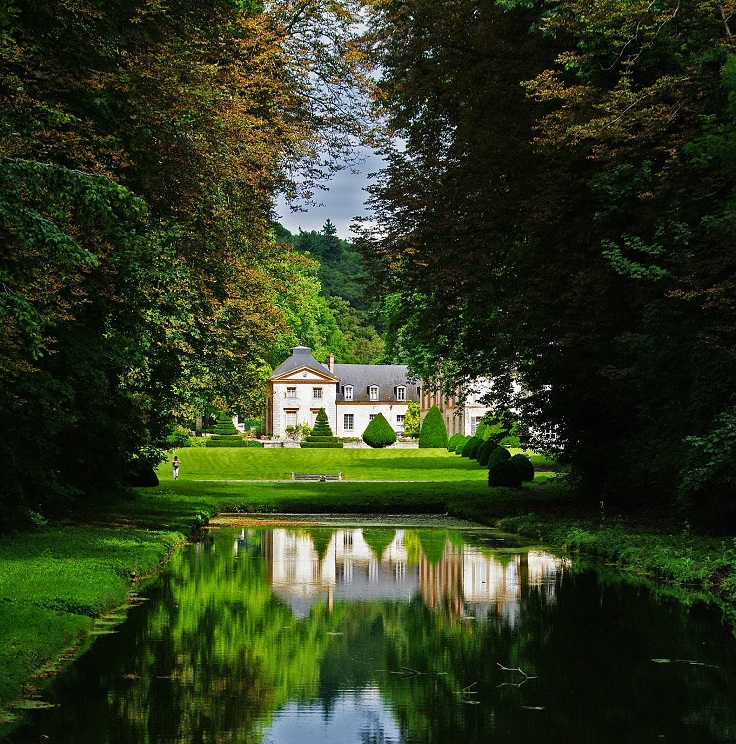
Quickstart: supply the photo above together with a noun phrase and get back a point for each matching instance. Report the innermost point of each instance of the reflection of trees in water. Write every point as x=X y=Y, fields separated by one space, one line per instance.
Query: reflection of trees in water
x=222 y=654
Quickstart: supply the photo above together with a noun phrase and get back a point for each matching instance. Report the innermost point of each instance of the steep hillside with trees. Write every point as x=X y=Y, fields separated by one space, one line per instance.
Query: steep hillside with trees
x=341 y=278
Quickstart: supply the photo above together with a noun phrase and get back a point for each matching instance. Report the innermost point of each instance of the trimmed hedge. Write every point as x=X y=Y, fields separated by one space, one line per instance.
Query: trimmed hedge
x=453 y=441
x=498 y=454
x=379 y=433
x=433 y=433
x=504 y=473
x=226 y=441
x=337 y=444
x=524 y=465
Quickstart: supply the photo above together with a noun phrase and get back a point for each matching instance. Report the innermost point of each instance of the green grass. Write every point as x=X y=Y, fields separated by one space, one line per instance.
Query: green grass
x=202 y=463
x=53 y=582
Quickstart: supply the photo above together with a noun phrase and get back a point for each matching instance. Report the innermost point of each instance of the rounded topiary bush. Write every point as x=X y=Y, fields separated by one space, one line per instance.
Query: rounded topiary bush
x=484 y=452
x=524 y=465
x=453 y=441
x=460 y=446
x=321 y=436
x=379 y=433
x=471 y=448
x=433 y=432
x=498 y=454
x=141 y=475
x=504 y=473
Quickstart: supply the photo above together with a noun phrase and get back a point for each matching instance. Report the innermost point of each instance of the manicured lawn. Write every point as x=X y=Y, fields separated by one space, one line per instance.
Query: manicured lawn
x=202 y=463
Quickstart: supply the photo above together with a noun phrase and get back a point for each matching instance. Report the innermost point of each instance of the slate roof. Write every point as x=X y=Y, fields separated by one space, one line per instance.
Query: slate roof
x=386 y=376
x=360 y=376
x=301 y=356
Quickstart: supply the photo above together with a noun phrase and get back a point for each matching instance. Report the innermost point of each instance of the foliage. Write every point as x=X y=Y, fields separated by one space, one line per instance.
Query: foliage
x=142 y=144
x=501 y=427
x=379 y=433
x=433 y=432
x=412 y=420
x=497 y=454
x=296 y=432
x=524 y=465
x=321 y=434
x=504 y=473
x=453 y=441
x=609 y=145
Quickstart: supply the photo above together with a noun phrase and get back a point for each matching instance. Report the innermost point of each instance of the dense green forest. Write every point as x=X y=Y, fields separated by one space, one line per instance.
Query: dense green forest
x=141 y=147
x=340 y=320
x=557 y=210
x=560 y=210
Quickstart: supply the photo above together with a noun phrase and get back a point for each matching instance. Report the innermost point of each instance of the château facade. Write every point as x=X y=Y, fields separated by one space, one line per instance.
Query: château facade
x=353 y=394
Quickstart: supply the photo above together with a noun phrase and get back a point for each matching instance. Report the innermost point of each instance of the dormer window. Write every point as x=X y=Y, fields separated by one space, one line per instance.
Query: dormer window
x=400 y=392
x=348 y=392
x=373 y=392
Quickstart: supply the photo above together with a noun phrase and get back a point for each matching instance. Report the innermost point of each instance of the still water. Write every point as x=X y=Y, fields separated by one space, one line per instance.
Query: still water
x=315 y=635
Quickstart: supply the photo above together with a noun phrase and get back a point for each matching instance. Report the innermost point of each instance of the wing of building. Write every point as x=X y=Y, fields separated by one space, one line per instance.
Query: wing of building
x=352 y=395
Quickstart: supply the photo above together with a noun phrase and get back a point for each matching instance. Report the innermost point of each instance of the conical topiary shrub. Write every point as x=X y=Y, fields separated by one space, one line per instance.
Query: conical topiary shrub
x=433 y=433
x=226 y=435
x=379 y=433
x=224 y=426
x=321 y=436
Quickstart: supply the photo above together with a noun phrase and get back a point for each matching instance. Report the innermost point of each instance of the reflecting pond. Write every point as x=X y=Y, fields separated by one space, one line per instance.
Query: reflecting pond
x=364 y=635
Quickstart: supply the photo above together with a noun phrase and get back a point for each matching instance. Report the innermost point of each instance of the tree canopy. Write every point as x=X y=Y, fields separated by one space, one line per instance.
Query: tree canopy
x=141 y=145
x=560 y=211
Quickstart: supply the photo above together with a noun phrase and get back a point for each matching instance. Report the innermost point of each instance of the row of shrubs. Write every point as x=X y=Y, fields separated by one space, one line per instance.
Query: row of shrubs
x=504 y=469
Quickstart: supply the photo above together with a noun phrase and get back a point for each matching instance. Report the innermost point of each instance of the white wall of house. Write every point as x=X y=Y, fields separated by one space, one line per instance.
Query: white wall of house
x=297 y=398
x=362 y=414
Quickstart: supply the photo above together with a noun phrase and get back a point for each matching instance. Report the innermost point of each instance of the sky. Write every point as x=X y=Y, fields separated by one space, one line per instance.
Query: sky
x=341 y=204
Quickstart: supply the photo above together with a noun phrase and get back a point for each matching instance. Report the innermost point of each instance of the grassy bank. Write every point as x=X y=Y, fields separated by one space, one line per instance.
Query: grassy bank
x=56 y=581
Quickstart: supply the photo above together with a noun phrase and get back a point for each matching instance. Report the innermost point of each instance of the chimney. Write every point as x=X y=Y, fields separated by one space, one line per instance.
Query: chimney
x=331 y=362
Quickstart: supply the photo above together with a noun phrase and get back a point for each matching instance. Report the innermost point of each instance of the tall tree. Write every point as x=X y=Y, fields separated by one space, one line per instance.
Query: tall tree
x=561 y=210
x=141 y=146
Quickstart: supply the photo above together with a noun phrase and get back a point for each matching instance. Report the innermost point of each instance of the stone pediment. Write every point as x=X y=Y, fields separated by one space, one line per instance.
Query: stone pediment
x=305 y=374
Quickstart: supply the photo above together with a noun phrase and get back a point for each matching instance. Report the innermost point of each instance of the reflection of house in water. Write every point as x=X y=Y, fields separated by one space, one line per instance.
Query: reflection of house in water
x=470 y=582
x=349 y=569
x=466 y=580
